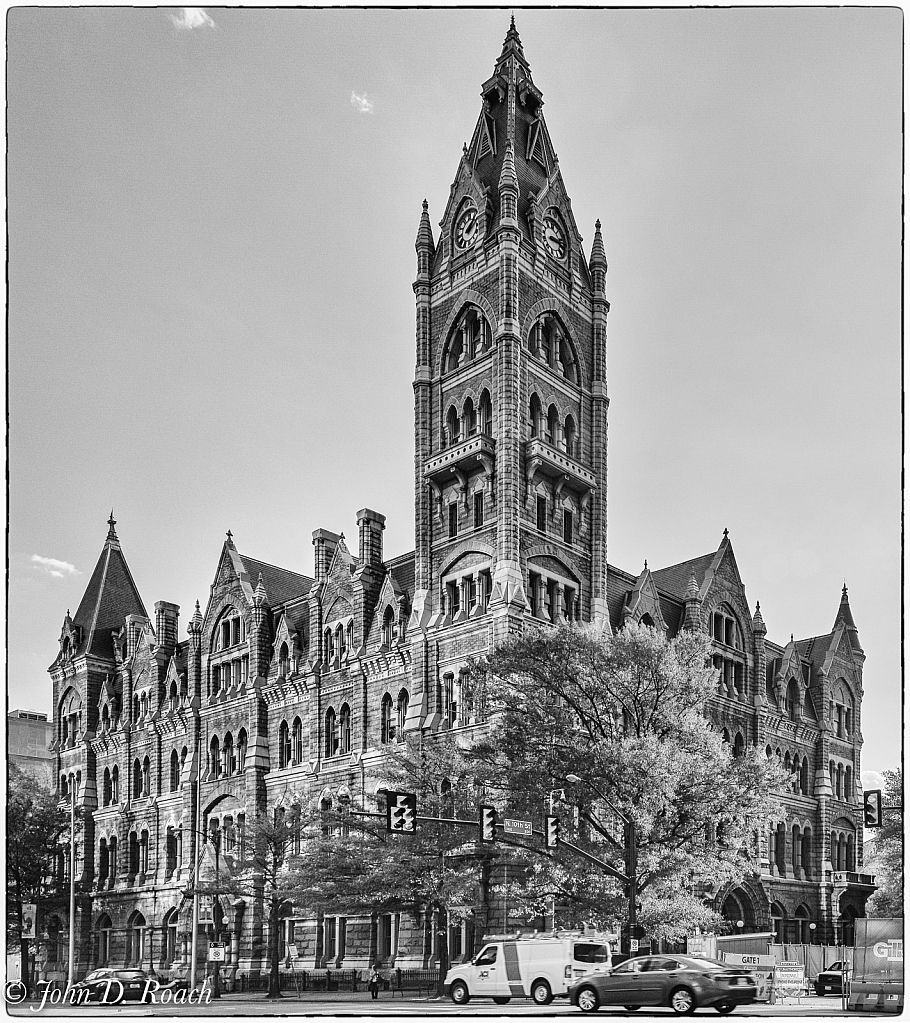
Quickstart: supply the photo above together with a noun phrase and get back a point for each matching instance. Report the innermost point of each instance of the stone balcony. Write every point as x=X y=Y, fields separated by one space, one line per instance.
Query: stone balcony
x=545 y=460
x=460 y=460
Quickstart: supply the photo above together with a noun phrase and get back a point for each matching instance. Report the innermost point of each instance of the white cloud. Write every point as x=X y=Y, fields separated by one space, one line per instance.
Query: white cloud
x=192 y=17
x=58 y=569
x=361 y=103
x=872 y=780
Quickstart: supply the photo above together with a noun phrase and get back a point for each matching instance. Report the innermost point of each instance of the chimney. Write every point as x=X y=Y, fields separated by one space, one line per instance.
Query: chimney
x=325 y=543
x=134 y=627
x=166 y=616
x=371 y=524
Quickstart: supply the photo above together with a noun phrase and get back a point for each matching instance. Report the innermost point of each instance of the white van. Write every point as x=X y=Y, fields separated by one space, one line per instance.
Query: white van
x=535 y=967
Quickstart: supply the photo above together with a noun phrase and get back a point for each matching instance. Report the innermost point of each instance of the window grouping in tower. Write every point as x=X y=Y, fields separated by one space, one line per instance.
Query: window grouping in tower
x=840 y=775
x=843 y=845
x=338 y=641
x=470 y=339
x=392 y=715
x=337 y=731
x=730 y=659
x=229 y=662
x=549 y=342
x=553 y=598
x=227 y=755
x=790 y=849
x=840 y=711
x=465 y=418
x=458 y=701
x=467 y=592
x=550 y=425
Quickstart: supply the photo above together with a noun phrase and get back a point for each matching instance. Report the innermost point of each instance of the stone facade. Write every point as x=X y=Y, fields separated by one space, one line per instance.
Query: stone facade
x=290 y=687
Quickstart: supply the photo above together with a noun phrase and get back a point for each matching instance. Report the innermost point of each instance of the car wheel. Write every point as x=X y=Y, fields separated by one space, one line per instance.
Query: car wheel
x=459 y=993
x=682 y=1001
x=819 y=990
x=541 y=993
x=724 y=1008
x=588 y=1000
x=502 y=999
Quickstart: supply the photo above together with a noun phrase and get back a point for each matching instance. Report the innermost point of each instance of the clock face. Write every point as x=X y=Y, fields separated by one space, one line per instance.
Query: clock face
x=466 y=227
x=554 y=238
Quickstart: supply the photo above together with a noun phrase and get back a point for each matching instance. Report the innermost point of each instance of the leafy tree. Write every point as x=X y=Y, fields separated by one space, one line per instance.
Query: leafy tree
x=34 y=826
x=626 y=715
x=436 y=871
x=885 y=851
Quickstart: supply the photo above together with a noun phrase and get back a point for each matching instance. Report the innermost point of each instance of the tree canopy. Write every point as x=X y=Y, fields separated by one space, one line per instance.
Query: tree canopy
x=627 y=715
x=885 y=851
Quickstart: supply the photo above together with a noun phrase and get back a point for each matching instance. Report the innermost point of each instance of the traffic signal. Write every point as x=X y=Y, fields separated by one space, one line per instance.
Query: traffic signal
x=487 y=824
x=401 y=812
x=872 y=808
x=552 y=832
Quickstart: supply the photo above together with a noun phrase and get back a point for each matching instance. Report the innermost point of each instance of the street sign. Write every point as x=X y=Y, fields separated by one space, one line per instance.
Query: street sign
x=29 y=916
x=517 y=826
x=790 y=980
x=216 y=952
x=633 y=945
x=741 y=959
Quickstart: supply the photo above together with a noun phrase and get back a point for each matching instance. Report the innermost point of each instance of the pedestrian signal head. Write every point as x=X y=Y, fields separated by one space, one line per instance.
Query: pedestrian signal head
x=401 y=812
x=552 y=832
x=872 y=808
x=487 y=824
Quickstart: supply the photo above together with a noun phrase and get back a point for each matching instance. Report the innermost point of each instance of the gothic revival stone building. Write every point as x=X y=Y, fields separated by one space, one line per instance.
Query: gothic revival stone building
x=291 y=687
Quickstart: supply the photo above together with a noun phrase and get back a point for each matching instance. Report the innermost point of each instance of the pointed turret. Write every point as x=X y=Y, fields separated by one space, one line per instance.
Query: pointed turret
x=260 y=597
x=511 y=46
x=598 y=254
x=692 y=619
x=845 y=618
x=110 y=597
x=758 y=623
x=196 y=620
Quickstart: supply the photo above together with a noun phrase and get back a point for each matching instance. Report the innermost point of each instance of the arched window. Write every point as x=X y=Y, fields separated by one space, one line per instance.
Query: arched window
x=388 y=627
x=350 y=636
x=801 y=925
x=104 y=927
x=227 y=756
x=134 y=853
x=112 y=858
x=839 y=781
x=175 y=771
x=469 y=418
x=137 y=778
x=105 y=718
x=144 y=851
x=135 y=939
x=402 y=713
x=327 y=644
x=804 y=776
x=284 y=745
x=549 y=341
x=172 y=694
x=739 y=745
x=795 y=848
x=214 y=758
x=344 y=725
x=340 y=648
x=848 y=785
x=102 y=861
x=331 y=733
x=283 y=661
x=171 y=948
x=470 y=338
x=297 y=741
x=386 y=724
x=806 y=852
x=170 y=851
x=794 y=703
x=241 y=750
x=115 y=784
x=485 y=410
x=552 y=436
x=536 y=416
x=135 y=708
x=64 y=787
x=106 y=788
x=453 y=427
x=850 y=854
x=570 y=436
x=778 y=920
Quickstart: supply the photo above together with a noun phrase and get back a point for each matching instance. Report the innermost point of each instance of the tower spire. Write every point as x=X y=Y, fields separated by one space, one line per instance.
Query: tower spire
x=111 y=532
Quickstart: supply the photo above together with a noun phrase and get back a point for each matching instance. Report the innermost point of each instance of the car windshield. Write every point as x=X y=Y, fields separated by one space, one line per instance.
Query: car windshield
x=629 y=966
x=98 y=974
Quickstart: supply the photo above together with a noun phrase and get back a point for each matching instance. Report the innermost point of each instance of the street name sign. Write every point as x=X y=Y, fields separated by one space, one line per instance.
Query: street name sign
x=517 y=826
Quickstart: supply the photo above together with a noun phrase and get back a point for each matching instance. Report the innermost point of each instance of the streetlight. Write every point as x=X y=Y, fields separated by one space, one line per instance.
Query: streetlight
x=631 y=849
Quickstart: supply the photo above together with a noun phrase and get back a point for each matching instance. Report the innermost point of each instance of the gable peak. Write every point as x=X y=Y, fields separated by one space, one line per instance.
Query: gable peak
x=511 y=46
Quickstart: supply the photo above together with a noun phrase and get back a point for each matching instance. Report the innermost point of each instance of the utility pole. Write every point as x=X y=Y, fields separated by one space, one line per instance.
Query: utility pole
x=197 y=834
x=71 y=971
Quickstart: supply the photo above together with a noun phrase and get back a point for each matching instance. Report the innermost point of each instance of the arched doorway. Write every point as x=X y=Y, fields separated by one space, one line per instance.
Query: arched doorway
x=778 y=922
x=104 y=928
x=847 y=925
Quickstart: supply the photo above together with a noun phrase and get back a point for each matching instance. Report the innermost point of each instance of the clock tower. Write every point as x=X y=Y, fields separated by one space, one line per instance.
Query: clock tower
x=510 y=384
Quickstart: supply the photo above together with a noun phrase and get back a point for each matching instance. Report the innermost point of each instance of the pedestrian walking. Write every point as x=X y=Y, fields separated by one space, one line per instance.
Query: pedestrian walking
x=373 y=983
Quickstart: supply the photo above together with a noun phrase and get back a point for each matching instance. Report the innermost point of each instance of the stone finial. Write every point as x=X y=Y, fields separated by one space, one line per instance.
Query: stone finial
x=111 y=522
x=259 y=595
x=726 y=533
x=230 y=538
x=598 y=255
x=424 y=241
x=692 y=592
x=758 y=623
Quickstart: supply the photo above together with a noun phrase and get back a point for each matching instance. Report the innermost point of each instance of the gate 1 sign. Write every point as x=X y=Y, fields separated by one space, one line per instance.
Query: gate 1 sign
x=517 y=826
x=761 y=965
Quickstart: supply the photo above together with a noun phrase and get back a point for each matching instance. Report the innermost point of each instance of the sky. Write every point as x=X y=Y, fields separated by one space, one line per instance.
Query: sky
x=212 y=217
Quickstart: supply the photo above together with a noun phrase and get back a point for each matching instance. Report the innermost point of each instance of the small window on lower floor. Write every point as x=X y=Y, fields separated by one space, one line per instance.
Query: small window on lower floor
x=453 y=519
x=567 y=526
x=478 y=509
x=542 y=514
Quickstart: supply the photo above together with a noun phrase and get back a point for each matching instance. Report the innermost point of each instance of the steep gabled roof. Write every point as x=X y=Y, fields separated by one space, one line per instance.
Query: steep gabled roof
x=675 y=578
x=281 y=584
x=110 y=596
x=401 y=569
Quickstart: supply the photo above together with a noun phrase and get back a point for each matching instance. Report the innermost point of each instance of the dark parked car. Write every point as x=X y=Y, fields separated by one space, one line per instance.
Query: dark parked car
x=685 y=983
x=830 y=979
x=112 y=985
